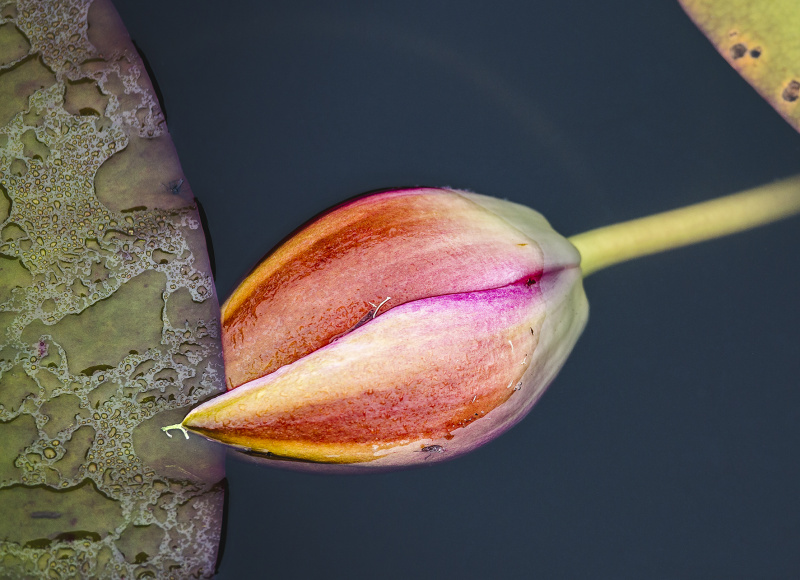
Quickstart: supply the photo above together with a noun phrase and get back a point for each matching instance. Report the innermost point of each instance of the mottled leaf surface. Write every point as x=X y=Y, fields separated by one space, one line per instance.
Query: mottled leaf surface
x=761 y=40
x=108 y=315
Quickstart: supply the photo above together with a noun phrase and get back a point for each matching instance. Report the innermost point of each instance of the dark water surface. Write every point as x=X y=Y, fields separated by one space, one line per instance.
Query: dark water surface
x=668 y=445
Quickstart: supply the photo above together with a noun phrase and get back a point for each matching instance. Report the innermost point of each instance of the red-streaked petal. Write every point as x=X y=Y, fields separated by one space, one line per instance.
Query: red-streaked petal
x=404 y=245
x=421 y=371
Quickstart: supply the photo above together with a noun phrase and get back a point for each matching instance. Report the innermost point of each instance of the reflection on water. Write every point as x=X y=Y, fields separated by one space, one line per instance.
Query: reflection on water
x=108 y=312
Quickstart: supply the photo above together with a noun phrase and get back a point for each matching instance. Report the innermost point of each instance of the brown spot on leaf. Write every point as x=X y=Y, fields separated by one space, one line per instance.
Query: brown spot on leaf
x=791 y=92
x=738 y=51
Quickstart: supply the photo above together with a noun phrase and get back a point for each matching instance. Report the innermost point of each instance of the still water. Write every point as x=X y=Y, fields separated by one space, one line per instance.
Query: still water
x=667 y=446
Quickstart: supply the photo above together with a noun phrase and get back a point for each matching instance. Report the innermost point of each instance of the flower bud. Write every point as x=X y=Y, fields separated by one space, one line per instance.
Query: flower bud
x=396 y=328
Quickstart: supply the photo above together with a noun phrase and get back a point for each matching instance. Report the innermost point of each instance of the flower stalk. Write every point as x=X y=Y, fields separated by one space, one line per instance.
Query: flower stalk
x=609 y=245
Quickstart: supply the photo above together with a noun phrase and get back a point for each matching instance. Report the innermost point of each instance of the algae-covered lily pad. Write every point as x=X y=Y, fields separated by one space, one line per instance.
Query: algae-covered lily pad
x=761 y=40
x=108 y=313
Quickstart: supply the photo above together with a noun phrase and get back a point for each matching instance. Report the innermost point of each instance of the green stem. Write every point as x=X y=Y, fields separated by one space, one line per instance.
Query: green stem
x=617 y=243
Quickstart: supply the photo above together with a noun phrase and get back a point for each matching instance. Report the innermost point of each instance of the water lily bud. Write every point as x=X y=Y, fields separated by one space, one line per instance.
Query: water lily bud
x=401 y=327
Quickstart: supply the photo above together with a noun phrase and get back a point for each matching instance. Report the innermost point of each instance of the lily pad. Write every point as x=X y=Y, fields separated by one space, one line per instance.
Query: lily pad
x=760 y=39
x=109 y=314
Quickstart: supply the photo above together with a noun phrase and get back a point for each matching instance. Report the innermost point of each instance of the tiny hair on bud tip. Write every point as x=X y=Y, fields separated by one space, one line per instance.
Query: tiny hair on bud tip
x=179 y=426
